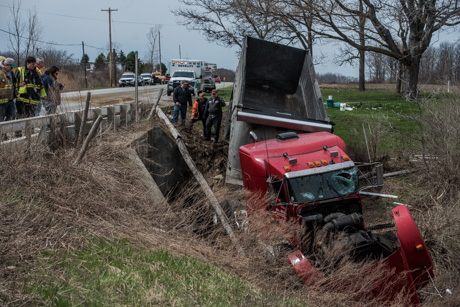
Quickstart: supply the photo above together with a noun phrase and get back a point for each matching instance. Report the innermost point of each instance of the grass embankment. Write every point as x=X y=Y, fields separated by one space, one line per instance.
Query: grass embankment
x=114 y=273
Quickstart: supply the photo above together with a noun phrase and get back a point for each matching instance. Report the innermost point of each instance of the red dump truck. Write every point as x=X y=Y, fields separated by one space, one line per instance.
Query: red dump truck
x=282 y=143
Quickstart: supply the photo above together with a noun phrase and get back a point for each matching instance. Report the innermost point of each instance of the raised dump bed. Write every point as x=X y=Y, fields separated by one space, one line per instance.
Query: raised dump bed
x=274 y=91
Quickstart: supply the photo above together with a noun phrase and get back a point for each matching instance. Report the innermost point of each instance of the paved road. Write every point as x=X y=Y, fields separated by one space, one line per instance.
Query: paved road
x=72 y=101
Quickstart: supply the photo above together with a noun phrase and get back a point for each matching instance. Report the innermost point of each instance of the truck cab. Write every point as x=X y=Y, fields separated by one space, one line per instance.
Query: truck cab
x=157 y=77
x=307 y=174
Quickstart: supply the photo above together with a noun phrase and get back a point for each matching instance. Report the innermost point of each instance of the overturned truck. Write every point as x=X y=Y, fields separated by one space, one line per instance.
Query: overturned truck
x=282 y=144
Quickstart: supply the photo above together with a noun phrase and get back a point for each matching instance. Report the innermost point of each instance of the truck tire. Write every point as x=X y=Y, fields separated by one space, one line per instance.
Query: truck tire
x=169 y=93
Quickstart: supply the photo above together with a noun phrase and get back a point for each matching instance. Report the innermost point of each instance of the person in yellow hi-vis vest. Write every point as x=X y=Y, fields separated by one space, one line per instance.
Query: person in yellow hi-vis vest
x=30 y=88
x=39 y=67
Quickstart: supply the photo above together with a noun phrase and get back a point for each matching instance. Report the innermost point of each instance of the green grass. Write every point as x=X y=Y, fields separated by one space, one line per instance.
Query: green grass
x=377 y=110
x=110 y=273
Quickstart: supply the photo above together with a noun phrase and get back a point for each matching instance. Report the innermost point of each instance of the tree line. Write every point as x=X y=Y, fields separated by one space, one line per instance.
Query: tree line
x=438 y=65
x=127 y=62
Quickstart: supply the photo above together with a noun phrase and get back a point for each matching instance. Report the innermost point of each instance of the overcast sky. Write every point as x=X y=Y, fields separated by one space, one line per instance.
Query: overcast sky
x=69 y=22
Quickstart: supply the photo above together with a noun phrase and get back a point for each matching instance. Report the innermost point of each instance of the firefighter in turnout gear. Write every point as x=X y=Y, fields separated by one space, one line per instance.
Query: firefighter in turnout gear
x=7 y=85
x=30 y=89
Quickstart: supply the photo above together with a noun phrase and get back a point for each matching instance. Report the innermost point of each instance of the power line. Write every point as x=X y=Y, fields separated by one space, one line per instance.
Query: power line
x=95 y=19
x=51 y=43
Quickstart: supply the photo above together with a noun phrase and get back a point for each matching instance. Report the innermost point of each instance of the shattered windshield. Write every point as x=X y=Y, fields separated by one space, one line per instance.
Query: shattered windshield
x=323 y=186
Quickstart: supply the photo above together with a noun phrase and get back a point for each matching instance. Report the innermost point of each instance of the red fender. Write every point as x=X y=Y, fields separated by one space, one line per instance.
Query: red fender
x=303 y=268
x=412 y=245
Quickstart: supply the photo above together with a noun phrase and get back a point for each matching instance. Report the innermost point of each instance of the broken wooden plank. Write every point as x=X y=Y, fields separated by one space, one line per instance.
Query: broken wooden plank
x=199 y=177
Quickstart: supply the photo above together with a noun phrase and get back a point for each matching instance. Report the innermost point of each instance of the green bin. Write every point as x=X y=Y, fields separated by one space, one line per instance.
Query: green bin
x=329 y=103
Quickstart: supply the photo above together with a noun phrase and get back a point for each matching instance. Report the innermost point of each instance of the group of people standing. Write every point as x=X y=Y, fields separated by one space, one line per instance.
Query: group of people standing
x=24 y=90
x=208 y=111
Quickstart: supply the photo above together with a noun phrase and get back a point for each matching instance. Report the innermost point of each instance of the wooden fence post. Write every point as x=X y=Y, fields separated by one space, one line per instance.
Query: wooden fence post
x=84 y=119
x=91 y=134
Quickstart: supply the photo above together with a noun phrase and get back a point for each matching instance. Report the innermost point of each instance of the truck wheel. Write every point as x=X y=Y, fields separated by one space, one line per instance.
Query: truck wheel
x=169 y=93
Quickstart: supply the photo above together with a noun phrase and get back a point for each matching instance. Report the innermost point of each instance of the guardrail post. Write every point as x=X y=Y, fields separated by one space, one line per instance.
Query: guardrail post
x=77 y=125
x=111 y=117
x=124 y=115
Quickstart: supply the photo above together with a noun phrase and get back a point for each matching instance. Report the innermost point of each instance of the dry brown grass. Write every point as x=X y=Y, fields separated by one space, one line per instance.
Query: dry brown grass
x=50 y=204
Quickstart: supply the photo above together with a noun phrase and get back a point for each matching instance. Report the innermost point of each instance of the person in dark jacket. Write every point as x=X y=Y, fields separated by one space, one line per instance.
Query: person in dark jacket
x=181 y=96
x=198 y=113
x=213 y=114
x=53 y=90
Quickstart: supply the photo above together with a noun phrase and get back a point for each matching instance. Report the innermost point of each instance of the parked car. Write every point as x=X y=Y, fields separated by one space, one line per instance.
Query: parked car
x=127 y=79
x=216 y=78
x=140 y=81
x=147 y=79
x=167 y=78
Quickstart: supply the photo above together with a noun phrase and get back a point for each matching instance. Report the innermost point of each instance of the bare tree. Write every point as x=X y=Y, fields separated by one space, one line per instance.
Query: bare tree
x=34 y=31
x=152 y=43
x=399 y=29
x=17 y=29
x=24 y=36
x=226 y=22
x=376 y=66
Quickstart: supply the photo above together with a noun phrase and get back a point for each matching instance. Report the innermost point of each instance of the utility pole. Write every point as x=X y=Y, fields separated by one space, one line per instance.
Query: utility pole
x=114 y=68
x=180 y=57
x=159 y=51
x=136 y=93
x=84 y=63
x=110 y=41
